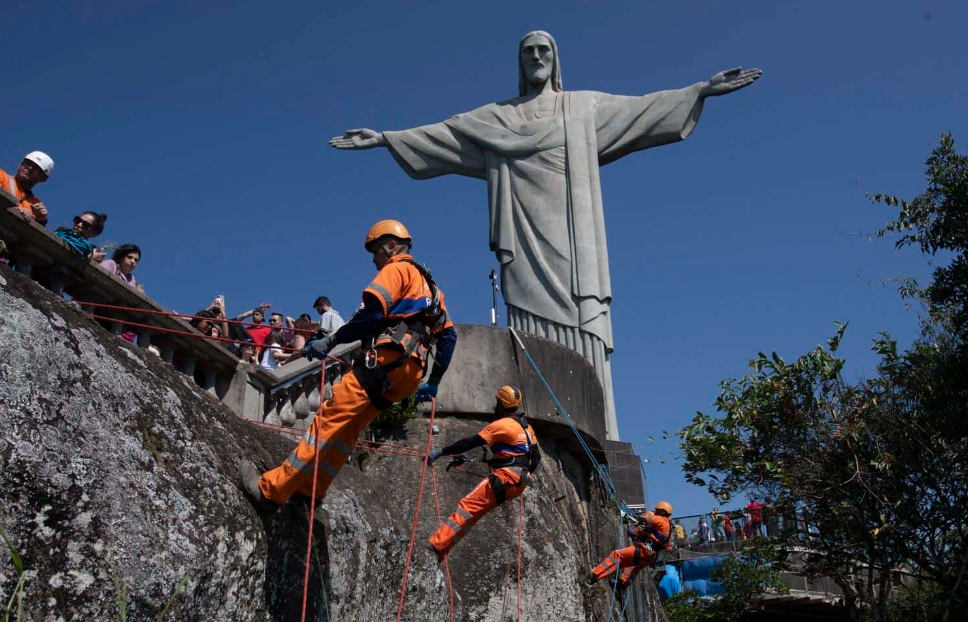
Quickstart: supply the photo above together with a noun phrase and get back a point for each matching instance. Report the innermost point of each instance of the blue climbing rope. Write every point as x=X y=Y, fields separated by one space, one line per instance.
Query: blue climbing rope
x=599 y=468
x=621 y=616
x=618 y=572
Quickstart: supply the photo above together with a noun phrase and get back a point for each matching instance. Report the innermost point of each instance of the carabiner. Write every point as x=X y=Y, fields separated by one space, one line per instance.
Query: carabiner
x=370 y=358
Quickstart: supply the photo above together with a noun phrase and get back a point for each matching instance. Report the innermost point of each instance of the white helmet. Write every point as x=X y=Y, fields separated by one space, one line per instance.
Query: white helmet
x=42 y=160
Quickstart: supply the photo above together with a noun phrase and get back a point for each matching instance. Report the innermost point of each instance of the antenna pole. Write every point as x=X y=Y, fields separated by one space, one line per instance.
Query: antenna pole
x=494 y=290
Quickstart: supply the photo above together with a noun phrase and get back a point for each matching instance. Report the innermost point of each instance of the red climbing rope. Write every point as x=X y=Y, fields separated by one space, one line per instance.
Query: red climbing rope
x=182 y=315
x=362 y=444
x=520 y=529
x=196 y=335
x=416 y=511
x=278 y=428
x=410 y=452
x=450 y=586
x=312 y=504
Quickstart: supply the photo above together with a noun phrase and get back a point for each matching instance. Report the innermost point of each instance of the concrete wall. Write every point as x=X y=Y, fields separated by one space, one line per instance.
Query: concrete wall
x=626 y=471
x=487 y=357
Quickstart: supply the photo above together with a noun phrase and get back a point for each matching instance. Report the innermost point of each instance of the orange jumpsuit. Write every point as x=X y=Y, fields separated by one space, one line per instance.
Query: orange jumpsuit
x=632 y=559
x=403 y=293
x=8 y=183
x=507 y=440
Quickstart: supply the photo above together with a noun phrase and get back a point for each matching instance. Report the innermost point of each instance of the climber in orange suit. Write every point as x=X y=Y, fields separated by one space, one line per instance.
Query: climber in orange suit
x=402 y=318
x=652 y=532
x=515 y=457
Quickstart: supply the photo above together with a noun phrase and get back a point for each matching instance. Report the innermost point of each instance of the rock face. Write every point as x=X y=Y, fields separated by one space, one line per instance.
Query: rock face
x=118 y=472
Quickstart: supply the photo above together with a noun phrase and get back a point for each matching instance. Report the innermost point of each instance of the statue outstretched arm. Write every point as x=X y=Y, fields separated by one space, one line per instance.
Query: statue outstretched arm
x=363 y=138
x=730 y=80
x=626 y=124
x=423 y=152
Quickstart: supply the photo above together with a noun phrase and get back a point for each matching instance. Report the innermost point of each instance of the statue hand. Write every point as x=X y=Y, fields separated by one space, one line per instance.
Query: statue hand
x=358 y=139
x=730 y=80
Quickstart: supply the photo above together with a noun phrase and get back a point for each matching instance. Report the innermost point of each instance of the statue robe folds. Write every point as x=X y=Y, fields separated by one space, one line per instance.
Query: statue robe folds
x=547 y=225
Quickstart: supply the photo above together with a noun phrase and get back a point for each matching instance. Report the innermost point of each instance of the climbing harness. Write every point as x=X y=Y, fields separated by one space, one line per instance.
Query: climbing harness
x=599 y=469
x=528 y=460
x=521 y=465
x=412 y=335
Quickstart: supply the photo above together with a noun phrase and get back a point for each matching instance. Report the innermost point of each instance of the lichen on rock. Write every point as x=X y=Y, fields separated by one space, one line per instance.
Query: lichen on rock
x=117 y=470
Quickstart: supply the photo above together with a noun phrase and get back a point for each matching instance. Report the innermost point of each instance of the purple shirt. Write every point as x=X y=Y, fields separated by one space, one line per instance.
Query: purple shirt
x=109 y=266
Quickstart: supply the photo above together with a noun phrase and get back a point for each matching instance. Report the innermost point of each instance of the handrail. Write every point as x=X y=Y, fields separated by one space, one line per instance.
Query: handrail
x=38 y=253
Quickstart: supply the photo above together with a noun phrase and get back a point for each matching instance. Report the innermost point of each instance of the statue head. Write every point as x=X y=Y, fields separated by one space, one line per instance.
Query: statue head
x=547 y=65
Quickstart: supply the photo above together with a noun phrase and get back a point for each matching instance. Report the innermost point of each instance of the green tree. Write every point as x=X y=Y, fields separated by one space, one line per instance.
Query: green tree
x=877 y=469
x=937 y=221
x=799 y=436
x=744 y=580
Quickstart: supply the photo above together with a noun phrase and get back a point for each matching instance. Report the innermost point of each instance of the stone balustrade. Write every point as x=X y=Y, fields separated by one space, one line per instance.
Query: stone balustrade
x=36 y=252
x=486 y=357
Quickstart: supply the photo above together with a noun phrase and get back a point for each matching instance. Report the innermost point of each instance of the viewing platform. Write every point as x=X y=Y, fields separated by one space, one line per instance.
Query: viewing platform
x=486 y=357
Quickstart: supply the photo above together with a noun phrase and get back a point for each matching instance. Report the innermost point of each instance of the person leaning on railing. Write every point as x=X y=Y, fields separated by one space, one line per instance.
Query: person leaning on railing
x=203 y=321
x=35 y=168
x=122 y=264
x=86 y=226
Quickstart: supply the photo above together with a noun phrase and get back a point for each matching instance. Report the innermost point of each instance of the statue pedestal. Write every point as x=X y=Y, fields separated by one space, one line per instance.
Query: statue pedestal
x=487 y=358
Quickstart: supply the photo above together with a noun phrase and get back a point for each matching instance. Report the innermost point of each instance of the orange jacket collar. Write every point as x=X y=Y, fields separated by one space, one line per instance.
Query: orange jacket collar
x=397 y=258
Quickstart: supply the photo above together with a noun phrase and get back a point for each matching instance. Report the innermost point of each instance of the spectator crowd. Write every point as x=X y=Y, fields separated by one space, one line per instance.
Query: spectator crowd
x=726 y=526
x=248 y=335
x=269 y=344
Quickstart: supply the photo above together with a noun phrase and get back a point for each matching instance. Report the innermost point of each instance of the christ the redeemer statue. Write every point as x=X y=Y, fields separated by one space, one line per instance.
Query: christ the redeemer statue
x=539 y=154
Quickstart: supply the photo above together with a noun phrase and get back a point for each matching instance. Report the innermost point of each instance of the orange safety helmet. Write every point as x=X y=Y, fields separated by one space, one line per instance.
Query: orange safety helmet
x=646 y=518
x=387 y=227
x=509 y=397
x=664 y=506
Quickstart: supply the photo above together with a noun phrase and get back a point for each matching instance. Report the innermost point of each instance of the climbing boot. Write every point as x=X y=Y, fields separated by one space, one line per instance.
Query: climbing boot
x=590 y=579
x=433 y=549
x=249 y=476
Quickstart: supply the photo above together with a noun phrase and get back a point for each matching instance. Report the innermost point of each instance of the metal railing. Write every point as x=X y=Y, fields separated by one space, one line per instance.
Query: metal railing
x=734 y=525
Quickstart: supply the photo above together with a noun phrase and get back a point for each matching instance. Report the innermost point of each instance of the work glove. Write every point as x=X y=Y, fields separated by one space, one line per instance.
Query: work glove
x=426 y=392
x=457 y=461
x=317 y=348
x=432 y=456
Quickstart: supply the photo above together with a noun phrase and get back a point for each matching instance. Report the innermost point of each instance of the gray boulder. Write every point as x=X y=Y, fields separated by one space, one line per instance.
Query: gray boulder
x=117 y=486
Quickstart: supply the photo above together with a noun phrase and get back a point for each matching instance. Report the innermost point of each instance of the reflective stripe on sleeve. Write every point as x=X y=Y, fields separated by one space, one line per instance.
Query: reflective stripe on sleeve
x=383 y=292
x=453 y=525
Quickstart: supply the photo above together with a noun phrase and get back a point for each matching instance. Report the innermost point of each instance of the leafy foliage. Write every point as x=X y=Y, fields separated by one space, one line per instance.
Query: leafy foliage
x=743 y=579
x=877 y=469
x=14 y=609
x=937 y=220
x=391 y=422
x=924 y=601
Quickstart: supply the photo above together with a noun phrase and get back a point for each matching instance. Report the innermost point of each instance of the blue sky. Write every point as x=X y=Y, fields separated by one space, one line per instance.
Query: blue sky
x=201 y=129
